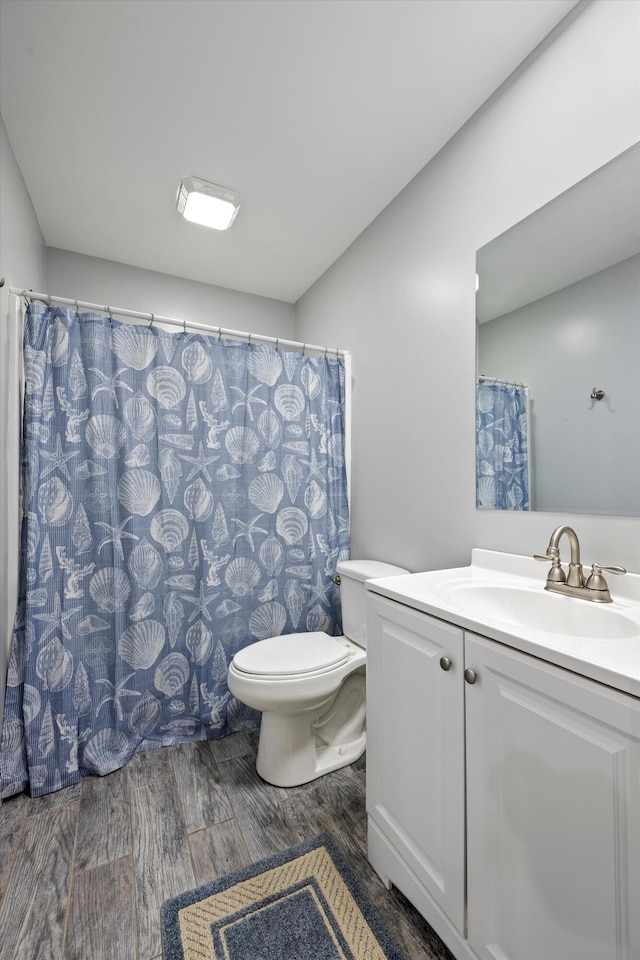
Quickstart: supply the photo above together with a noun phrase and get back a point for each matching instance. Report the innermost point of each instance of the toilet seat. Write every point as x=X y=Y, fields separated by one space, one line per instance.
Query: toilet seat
x=292 y=655
x=310 y=689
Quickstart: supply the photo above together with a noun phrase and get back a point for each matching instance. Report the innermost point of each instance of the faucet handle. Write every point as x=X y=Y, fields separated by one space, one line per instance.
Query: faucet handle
x=597 y=582
x=556 y=573
x=597 y=567
x=552 y=554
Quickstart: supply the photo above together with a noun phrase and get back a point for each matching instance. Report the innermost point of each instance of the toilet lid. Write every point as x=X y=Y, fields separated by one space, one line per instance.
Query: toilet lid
x=293 y=653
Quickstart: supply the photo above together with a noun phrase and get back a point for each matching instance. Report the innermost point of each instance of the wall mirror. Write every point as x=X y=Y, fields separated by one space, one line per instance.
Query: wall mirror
x=558 y=321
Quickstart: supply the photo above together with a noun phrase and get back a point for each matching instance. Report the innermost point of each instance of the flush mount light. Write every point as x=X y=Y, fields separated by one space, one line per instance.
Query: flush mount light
x=207 y=203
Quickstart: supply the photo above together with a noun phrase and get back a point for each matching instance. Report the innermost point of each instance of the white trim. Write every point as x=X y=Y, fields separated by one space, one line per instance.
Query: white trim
x=15 y=389
x=347 y=424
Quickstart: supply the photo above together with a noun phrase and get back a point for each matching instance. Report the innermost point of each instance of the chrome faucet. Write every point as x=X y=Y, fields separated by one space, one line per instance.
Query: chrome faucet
x=574 y=583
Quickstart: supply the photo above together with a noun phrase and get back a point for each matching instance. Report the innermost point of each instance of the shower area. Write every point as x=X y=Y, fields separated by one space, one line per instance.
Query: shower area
x=503 y=445
x=183 y=493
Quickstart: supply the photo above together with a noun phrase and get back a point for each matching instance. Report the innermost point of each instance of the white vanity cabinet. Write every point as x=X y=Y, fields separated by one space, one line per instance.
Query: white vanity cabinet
x=507 y=809
x=415 y=749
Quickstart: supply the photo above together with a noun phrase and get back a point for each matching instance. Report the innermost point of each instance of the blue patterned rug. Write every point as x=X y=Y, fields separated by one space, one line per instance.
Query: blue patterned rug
x=301 y=904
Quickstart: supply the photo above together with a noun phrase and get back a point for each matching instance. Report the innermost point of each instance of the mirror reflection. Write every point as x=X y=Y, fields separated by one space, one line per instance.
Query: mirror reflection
x=558 y=352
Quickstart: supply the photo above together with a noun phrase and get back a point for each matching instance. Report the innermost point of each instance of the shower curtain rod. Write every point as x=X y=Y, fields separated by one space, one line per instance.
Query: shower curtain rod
x=156 y=318
x=505 y=383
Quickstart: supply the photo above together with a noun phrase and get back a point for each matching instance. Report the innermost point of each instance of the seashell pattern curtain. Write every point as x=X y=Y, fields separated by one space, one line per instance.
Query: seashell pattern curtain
x=502 y=447
x=183 y=496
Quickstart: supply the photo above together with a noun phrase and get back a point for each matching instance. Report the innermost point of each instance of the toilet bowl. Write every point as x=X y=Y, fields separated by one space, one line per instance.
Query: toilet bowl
x=311 y=689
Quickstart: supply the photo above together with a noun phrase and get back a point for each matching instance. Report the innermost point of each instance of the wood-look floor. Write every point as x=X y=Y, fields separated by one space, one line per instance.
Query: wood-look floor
x=84 y=871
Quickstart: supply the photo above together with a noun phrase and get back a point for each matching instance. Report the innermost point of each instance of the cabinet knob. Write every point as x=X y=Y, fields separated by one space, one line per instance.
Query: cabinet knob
x=445 y=663
x=470 y=676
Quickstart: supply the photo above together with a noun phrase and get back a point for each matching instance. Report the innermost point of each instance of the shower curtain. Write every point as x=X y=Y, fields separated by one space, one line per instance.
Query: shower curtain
x=502 y=453
x=183 y=496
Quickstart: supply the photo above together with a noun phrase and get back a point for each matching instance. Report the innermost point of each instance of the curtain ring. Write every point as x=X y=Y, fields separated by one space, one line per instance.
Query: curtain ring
x=110 y=314
x=77 y=307
x=219 y=334
x=326 y=350
x=151 y=321
x=304 y=347
x=48 y=301
x=277 y=342
x=184 y=327
x=250 y=335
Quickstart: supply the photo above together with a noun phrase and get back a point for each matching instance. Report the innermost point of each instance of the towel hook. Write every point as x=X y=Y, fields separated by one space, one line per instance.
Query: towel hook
x=597 y=393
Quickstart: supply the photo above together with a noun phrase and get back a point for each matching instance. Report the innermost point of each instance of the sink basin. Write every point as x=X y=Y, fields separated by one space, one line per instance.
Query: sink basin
x=538 y=609
x=502 y=597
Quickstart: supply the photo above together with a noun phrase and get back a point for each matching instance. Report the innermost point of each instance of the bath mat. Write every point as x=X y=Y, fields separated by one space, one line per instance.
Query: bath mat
x=301 y=904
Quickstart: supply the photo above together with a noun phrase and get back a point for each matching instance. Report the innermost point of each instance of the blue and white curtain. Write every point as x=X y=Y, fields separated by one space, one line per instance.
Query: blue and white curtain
x=183 y=496
x=502 y=452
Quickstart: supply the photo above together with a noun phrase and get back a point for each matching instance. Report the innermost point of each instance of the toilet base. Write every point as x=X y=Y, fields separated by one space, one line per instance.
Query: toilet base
x=298 y=748
x=303 y=762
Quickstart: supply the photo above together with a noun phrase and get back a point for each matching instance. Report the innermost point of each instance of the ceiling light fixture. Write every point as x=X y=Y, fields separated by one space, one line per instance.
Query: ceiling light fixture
x=207 y=203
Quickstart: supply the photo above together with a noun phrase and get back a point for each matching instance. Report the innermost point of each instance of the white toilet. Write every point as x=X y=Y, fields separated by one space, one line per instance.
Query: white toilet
x=310 y=688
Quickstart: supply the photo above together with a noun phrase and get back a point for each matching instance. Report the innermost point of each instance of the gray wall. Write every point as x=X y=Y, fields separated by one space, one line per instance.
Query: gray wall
x=585 y=453
x=22 y=261
x=102 y=281
x=402 y=299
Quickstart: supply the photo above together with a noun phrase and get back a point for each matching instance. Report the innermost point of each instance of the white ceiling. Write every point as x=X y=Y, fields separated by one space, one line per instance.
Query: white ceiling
x=318 y=112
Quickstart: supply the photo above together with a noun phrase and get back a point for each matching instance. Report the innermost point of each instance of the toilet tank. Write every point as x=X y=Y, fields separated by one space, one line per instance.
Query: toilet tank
x=353 y=574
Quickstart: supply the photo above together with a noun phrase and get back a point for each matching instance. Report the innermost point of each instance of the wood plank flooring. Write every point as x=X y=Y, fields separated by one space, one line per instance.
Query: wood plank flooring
x=84 y=871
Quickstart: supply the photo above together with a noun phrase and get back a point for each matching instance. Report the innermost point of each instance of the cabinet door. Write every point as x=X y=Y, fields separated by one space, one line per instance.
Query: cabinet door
x=553 y=801
x=415 y=745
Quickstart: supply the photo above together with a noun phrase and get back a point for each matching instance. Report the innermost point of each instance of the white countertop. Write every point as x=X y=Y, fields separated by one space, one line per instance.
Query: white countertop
x=615 y=662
